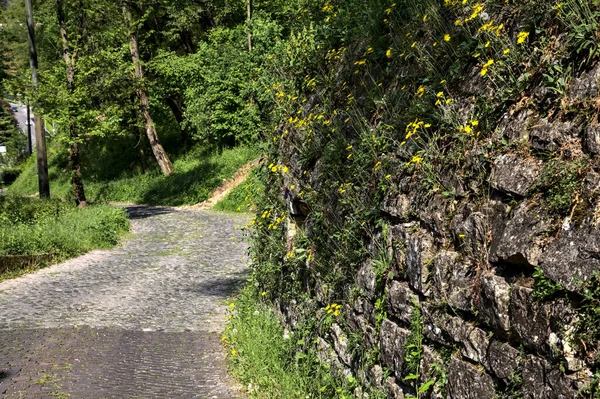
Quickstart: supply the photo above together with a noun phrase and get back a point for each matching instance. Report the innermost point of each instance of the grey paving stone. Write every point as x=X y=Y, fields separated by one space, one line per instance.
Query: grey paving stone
x=139 y=321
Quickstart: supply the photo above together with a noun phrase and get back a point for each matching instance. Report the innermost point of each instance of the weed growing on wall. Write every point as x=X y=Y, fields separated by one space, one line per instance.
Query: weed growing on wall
x=288 y=370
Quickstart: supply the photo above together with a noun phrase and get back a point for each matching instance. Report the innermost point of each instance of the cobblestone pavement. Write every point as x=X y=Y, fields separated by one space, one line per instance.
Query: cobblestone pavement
x=138 y=321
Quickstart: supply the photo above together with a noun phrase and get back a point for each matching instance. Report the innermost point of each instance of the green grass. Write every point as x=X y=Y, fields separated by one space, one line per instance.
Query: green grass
x=30 y=226
x=197 y=174
x=273 y=365
x=244 y=197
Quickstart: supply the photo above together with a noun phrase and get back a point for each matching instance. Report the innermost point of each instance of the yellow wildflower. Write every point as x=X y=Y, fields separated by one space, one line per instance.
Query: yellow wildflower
x=447 y=37
x=522 y=37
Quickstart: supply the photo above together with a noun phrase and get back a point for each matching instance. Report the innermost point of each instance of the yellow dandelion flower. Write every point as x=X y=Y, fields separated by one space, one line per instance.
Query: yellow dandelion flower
x=388 y=53
x=447 y=37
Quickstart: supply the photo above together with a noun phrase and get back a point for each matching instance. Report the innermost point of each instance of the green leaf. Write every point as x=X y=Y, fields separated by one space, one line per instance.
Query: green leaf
x=425 y=387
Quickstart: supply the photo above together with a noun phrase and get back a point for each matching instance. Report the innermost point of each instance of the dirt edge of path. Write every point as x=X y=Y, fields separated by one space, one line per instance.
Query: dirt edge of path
x=228 y=185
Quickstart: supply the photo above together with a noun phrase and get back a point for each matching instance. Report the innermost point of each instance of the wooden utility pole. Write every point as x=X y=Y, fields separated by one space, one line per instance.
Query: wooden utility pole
x=40 y=139
x=249 y=6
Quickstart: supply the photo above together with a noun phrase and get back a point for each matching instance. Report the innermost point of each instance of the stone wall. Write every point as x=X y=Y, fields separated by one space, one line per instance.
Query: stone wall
x=467 y=268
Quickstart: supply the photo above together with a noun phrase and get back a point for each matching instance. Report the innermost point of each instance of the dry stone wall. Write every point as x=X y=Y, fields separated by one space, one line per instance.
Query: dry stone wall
x=464 y=277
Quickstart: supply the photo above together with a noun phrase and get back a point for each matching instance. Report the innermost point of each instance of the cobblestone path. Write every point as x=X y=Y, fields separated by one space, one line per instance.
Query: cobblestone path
x=138 y=321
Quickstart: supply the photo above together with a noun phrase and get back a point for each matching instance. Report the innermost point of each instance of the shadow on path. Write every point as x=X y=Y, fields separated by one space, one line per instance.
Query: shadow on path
x=144 y=211
x=220 y=287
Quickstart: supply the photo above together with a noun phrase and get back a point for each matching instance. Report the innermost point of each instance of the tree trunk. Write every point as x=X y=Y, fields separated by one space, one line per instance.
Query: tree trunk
x=159 y=153
x=74 y=155
x=174 y=103
x=249 y=7
x=42 y=159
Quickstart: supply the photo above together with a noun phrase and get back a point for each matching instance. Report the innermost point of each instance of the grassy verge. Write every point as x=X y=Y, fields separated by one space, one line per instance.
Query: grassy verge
x=197 y=174
x=244 y=197
x=30 y=227
x=271 y=363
